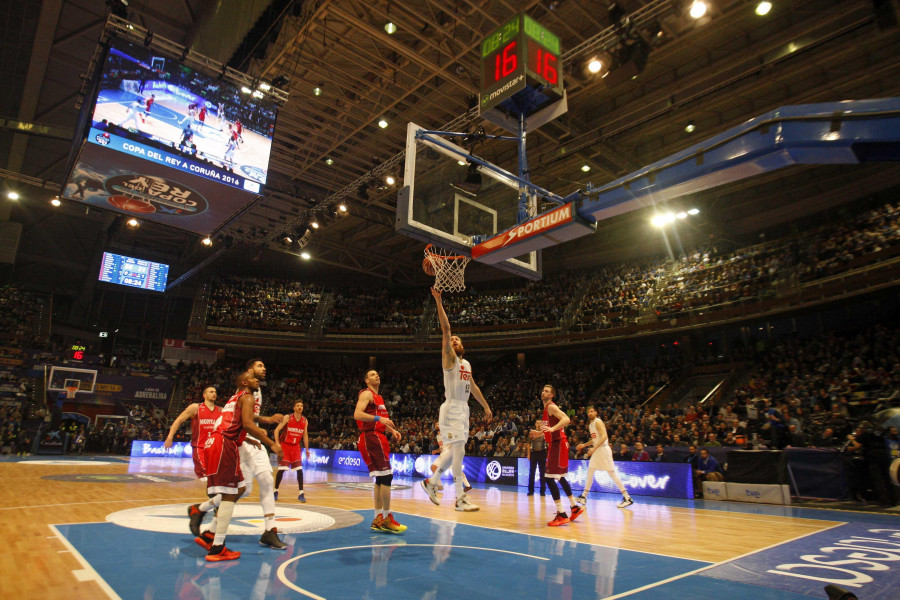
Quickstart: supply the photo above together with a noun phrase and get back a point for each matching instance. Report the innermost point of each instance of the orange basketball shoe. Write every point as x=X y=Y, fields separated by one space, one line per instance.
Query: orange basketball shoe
x=219 y=553
x=559 y=519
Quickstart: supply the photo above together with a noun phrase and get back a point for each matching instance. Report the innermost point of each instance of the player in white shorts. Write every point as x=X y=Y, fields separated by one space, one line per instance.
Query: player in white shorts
x=442 y=451
x=453 y=418
x=600 y=459
x=255 y=465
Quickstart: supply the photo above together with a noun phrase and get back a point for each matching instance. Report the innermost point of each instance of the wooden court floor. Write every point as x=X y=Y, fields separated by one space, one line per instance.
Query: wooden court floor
x=35 y=563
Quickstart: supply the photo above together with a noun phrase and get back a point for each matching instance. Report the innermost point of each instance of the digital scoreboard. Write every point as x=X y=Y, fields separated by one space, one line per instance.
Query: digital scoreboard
x=521 y=67
x=134 y=272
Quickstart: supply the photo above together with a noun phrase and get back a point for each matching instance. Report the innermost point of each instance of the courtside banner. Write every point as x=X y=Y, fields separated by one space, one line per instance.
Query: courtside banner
x=670 y=480
x=562 y=222
x=140 y=448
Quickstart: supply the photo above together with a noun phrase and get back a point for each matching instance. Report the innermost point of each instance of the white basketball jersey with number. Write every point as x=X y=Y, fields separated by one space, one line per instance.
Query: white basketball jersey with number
x=458 y=380
x=257 y=401
x=594 y=428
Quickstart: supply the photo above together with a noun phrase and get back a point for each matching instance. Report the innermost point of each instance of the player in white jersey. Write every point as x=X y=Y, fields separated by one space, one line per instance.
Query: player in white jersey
x=133 y=114
x=601 y=459
x=445 y=450
x=453 y=418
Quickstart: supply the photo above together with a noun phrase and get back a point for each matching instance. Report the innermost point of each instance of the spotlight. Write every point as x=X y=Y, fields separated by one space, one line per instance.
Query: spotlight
x=264 y=86
x=317 y=91
x=382 y=123
x=12 y=195
x=132 y=222
x=694 y=211
x=148 y=39
x=461 y=163
x=681 y=215
x=342 y=208
x=55 y=201
x=305 y=255
x=314 y=224
x=257 y=94
x=329 y=161
x=657 y=221
x=246 y=90
x=763 y=8
x=595 y=65
x=698 y=9
x=286 y=240
x=206 y=241
x=585 y=168
x=390 y=27
x=390 y=180
x=690 y=127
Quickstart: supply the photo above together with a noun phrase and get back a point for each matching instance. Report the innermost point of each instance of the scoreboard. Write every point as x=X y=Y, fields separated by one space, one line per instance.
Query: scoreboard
x=134 y=272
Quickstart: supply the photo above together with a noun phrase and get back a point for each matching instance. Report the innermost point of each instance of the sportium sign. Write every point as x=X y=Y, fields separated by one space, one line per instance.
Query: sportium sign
x=560 y=224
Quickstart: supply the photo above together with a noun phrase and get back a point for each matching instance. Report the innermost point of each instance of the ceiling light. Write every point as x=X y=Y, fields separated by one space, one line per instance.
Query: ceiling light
x=132 y=222
x=698 y=9
x=595 y=65
x=246 y=90
x=382 y=123
x=342 y=207
x=12 y=195
x=657 y=221
x=264 y=86
x=763 y=8
x=206 y=241
x=461 y=163
x=390 y=27
x=329 y=161
x=55 y=201
x=681 y=215
x=314 y=224
x=694 y=211
x=690 y=127
x=305 y=255
x=257 y=94
x=390 y=180
x=317 y=91
x=585 y=168
x=669 y=217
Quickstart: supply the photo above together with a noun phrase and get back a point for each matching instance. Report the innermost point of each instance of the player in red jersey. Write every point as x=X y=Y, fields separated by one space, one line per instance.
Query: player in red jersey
x=203 y=417
x=238 y=131
x=372 y=419
x=292 y=429
x=554 y=423
x=223 y=461
x=201 y=116
x=148 y=104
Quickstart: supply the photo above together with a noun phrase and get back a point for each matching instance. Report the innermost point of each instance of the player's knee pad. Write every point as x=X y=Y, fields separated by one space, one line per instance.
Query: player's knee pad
x=384 y=480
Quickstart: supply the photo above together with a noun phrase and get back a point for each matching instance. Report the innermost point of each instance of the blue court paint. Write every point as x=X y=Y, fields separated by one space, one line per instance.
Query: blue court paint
x=433 y=557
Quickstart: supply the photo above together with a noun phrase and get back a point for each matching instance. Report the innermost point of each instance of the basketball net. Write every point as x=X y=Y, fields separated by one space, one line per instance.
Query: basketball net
x=70 y=392
x=449 y=269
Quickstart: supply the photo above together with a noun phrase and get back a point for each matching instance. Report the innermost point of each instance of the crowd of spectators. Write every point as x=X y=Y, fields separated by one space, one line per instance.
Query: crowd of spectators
x=374 y=308
x=617 y=294
x=18 y=318
x=253 y=303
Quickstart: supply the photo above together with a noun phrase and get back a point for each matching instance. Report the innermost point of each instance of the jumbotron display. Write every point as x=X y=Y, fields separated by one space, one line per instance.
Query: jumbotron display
x=134 y=272
x=170 y=144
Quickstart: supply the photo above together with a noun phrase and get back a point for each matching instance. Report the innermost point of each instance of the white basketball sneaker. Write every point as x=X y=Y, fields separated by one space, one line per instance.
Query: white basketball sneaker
x=626 y=502
x=463 y=505
x=431 y=490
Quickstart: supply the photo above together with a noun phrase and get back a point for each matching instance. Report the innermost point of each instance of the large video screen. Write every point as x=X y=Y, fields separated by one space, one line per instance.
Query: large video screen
x=134 y=272
x=170 y=144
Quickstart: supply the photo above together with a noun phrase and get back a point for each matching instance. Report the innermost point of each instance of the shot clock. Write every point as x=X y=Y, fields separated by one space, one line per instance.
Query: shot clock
x=521 y=67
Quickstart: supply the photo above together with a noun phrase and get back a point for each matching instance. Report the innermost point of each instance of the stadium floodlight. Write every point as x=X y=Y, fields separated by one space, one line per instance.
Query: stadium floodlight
x=763 y=8
x=694 y=211
x=55 y=201
x=12 y=195
x=595 y=65
x=698 y=9
x=382 y=122
x=305 y=255
x=390 y=27
x=132 y=222
x=681 y=215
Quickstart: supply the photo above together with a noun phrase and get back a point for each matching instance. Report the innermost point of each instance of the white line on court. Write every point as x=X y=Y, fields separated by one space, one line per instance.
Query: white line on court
x=299 y=589
x=707 y=567
x=88 y=573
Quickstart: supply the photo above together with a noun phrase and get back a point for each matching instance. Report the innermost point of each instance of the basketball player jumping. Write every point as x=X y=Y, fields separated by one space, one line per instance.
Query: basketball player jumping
x=223 y=461
x=554 y=423
x=453 y=418
x=601 y=459
x=372 y=419
x=292 y=429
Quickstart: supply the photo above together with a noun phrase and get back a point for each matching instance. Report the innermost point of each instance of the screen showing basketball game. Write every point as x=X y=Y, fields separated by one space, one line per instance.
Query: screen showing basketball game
x=134 y=272
x=170 y=144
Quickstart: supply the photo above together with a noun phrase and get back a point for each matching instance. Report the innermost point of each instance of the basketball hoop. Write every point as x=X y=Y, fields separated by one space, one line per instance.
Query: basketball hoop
x=448 y=269
x=70 y=392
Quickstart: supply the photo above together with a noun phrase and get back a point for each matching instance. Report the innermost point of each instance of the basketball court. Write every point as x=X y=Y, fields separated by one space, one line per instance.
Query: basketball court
x=95 y=527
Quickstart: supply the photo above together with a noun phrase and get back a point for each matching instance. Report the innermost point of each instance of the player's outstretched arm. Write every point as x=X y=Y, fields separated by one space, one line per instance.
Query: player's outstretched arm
x=188 y=413
x=447 y=354
x=476 y=391
x=360 y=413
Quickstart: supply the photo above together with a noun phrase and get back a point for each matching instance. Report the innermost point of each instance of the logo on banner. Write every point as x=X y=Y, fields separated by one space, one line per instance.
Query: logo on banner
x=254 y=173
x=145 y=194
x=493 y=470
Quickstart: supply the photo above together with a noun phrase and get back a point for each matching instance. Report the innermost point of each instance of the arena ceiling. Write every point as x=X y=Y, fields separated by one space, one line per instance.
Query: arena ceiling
x=714 y=73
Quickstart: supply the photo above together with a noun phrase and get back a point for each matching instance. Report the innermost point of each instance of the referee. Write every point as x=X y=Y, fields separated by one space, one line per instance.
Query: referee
x=537 y=457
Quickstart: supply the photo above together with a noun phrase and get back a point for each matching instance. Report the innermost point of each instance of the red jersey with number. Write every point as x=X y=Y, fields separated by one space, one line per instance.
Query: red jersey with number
x=203 y=424
x=292 y=433
x=550 y=420
x=230 y=424
x=376 y=408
